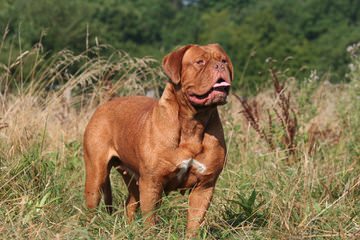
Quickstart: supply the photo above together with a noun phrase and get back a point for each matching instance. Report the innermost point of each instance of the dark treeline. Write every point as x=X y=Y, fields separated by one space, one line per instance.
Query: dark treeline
x=313 y=33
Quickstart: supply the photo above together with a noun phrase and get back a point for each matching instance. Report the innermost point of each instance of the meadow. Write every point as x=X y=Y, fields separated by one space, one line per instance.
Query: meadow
x=292 y=171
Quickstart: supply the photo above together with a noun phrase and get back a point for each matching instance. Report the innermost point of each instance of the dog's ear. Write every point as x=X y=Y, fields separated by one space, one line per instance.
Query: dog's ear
x=230 y=65
x=172 y=63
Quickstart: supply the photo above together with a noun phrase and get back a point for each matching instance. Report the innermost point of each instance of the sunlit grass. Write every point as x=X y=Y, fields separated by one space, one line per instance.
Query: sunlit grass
x=46 y=101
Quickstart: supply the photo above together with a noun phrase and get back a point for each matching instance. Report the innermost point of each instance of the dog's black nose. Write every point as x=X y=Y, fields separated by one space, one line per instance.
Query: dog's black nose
x=219 y=66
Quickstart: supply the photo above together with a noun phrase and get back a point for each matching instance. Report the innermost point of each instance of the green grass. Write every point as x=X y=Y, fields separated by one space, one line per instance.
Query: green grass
x=259 y=195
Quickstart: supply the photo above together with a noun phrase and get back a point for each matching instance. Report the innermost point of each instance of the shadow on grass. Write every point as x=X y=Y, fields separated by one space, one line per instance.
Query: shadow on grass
x=241 y=211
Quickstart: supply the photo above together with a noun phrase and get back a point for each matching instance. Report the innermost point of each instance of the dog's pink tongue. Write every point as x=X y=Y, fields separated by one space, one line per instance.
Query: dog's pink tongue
x=221 y=84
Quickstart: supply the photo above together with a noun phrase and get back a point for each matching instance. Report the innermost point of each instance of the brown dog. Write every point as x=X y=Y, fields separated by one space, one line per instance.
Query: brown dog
x=160 y=146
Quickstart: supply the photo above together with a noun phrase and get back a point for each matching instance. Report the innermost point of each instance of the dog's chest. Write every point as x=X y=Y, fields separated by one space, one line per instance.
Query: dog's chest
x=185 y=166
x=187 y=174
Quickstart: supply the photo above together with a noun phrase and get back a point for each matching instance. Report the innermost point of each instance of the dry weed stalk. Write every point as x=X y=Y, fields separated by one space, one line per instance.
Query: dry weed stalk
x=288 y=122
x=3 y=124
x=250 y=114
x=285 y=115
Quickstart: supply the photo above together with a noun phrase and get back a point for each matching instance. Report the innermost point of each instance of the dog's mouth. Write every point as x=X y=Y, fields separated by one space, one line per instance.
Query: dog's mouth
x=216 y=95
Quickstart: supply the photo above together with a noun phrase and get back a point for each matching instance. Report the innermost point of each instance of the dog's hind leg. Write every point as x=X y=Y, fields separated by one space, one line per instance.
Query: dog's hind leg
x=97 y=181
x=106 y=191
x=133 y=199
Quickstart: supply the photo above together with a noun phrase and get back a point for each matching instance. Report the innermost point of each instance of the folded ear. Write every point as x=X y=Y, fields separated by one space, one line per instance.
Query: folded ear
x=172 y=63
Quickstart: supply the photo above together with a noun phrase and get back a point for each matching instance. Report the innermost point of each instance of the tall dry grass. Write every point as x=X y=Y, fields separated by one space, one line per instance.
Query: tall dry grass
x=55 y=95
x=47 y=99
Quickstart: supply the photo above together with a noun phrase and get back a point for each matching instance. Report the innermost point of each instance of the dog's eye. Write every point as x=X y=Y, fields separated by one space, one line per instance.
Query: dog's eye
x=200 y=62
x=224 y=61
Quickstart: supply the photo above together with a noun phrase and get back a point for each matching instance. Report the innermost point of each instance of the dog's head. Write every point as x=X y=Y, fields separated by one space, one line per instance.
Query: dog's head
x=203 y=73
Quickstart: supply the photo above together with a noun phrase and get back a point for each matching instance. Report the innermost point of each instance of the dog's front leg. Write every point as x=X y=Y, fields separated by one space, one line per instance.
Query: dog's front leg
x=150 y=195
x=199 y=201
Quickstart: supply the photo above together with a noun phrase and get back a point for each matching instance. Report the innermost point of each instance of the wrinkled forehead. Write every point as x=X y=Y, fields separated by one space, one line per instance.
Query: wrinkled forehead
x=207 y=51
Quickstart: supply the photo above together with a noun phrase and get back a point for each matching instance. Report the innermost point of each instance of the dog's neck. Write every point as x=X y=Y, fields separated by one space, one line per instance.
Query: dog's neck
x=193 y=122
x=186 y=111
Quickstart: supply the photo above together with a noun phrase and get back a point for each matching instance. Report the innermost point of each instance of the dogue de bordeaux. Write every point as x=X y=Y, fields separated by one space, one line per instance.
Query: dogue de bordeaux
x=174 y=143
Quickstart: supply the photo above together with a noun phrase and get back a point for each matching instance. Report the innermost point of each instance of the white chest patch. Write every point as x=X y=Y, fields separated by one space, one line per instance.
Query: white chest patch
x=186 y=164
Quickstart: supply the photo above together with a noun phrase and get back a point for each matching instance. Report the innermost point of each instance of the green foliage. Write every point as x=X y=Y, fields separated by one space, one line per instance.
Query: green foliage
x=315 y=33
x=245 y=210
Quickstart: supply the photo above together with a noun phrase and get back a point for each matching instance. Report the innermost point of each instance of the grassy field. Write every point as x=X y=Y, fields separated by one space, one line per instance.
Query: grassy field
x=270 y=188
